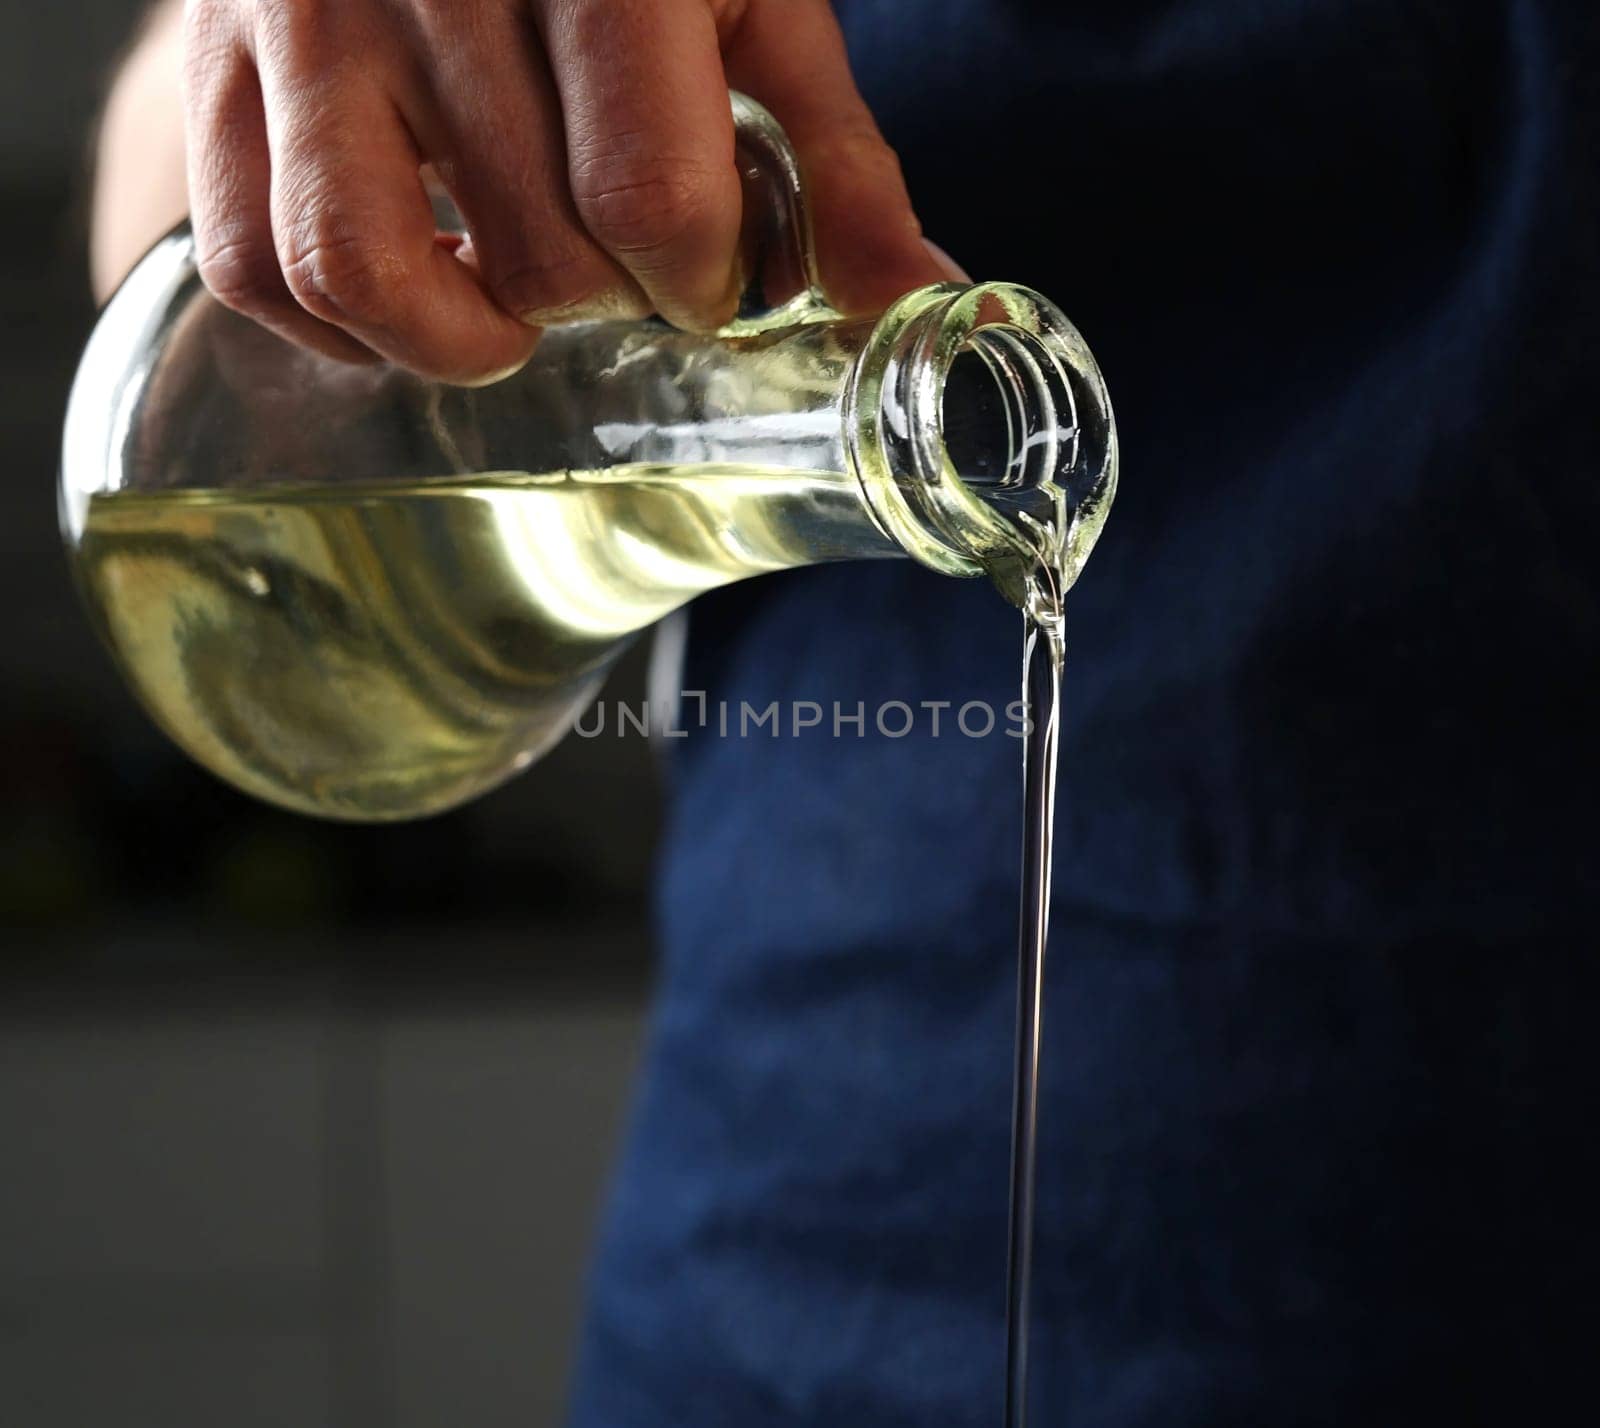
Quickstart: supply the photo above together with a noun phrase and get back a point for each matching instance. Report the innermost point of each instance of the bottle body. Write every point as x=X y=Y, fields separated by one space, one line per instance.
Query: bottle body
x=362 y=595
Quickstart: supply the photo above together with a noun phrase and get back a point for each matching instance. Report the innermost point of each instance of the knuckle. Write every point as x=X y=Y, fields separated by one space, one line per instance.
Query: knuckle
x=241 y=274
x=329 y=40
x=345 y=279
x=294 y=24
x=638 y=211
x=208 y=37
x=864 y=173
x=859 y=149
x=588 y=24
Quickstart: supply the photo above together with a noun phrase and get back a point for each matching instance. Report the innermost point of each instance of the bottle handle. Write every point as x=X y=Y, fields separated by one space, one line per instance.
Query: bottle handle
x=775 y=245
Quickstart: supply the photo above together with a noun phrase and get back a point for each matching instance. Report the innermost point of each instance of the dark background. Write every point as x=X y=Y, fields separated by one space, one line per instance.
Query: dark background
x=302 y=1124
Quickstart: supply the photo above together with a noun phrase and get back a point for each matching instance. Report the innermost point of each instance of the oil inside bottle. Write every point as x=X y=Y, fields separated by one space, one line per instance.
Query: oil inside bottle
x=388 y=650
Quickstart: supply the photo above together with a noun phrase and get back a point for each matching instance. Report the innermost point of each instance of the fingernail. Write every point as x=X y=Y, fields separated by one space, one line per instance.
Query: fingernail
x=608 y=306
x=947 y=265
x=707 y=318
x=488 y=379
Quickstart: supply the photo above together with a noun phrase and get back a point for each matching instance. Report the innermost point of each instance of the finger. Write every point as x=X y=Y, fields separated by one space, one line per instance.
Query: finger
x=790 y=55
x=230 y=182
x=493 y=129
x=650 y=145
x=952 y=270
x=351 y=220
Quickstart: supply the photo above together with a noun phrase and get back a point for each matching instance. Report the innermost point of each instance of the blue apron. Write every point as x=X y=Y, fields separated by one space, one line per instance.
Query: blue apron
x=1320 y=1067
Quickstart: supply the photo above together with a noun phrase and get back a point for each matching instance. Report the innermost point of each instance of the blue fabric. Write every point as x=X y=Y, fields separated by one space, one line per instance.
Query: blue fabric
x=1320 y=1056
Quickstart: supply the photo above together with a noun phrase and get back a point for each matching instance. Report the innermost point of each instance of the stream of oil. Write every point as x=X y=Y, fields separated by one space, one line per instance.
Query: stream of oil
x=1043 y=649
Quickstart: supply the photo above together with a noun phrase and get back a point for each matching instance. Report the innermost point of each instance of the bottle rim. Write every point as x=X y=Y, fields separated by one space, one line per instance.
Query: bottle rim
x=1053 y=488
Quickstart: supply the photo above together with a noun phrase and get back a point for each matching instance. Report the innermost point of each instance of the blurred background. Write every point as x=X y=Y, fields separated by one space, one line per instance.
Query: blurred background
x=304 y=1124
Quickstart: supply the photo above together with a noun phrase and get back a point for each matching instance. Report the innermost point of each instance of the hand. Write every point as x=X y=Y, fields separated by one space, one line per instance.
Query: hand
x=587 y=143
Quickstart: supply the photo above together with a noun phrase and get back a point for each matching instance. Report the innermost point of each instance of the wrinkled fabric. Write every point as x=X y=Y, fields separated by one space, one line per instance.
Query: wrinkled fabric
x=1319 y=1062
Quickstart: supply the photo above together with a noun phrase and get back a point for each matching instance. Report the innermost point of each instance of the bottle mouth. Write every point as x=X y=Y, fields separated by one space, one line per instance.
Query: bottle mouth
x=981 y=432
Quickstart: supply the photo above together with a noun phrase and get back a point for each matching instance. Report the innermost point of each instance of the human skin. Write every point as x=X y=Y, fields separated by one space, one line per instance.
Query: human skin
x=587 y=143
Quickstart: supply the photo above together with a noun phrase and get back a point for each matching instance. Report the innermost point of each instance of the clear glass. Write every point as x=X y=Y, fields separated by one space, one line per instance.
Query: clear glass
x=363 y=595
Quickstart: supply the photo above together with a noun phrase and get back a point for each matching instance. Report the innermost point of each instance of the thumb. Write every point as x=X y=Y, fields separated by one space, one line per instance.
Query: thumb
x=790 y=56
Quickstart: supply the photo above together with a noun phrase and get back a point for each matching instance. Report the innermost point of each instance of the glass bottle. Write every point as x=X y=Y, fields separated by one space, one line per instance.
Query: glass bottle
x=359 y=594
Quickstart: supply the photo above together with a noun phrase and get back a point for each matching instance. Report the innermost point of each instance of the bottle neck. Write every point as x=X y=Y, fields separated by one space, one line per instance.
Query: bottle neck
x=980 y=430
